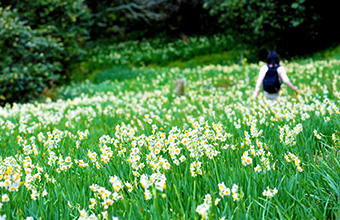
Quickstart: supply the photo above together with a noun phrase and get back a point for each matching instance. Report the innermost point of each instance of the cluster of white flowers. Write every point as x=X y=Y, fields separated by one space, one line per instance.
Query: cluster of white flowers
x=246 y=160
x=104 y=196
x=291 y=157
x=156 y=180
x=10 y=174
x=224 y=191
x=317 y=134
x=85 y=216
x=203 y=208
x=289 y=135
x=270 y=193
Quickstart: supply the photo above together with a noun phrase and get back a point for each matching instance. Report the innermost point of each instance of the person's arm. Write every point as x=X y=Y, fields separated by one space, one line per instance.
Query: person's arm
x=283 y=74
x=262 y=74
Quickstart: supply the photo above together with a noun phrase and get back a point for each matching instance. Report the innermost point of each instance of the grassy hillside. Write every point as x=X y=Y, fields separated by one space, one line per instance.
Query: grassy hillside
x=124 y=144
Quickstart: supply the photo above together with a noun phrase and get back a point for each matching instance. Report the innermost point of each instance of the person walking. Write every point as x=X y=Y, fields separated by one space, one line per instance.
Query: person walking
x=270 y=76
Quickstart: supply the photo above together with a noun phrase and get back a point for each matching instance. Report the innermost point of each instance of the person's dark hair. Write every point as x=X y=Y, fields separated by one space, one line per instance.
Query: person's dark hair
x=273 y=58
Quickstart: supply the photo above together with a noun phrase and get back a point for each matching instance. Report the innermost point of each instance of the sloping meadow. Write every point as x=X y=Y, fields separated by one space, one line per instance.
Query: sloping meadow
x=133 y=149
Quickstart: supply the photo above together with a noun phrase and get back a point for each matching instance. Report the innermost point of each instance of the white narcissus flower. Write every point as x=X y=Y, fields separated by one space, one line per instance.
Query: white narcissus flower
x=270 y=192
x=147 y=194
x=44 y=193
x=5 y=198
x=105 y=215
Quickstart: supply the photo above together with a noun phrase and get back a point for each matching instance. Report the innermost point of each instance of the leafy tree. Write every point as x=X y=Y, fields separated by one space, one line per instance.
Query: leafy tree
x=149 y=17
x=122 y=16
x=284 y=25
x=65 y=20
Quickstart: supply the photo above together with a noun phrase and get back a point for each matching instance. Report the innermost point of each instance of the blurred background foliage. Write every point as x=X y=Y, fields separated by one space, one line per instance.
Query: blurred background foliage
x=38 y=42
x=49 y=42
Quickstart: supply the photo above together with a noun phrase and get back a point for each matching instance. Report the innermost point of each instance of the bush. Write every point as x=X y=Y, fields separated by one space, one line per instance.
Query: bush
x=39 y=41
x=26 y=61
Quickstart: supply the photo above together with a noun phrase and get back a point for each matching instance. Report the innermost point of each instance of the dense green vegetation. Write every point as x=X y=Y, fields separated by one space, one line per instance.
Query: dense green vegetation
x=38 y=42
x=46 y=42
x=201 y=50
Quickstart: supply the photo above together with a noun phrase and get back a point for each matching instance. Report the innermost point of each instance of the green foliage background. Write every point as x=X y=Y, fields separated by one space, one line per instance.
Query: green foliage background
x=38 y=42
x=46 y=42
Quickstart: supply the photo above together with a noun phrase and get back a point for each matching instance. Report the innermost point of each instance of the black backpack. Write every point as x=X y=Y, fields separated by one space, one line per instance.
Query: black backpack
x=271 y=82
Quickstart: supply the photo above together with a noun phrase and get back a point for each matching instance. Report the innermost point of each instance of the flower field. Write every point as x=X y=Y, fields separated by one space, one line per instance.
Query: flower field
x=133 y=149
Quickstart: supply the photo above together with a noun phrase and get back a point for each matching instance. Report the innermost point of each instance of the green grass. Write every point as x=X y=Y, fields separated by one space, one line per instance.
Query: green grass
x=329 y=53
x=223 y=58
x=199 y=50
